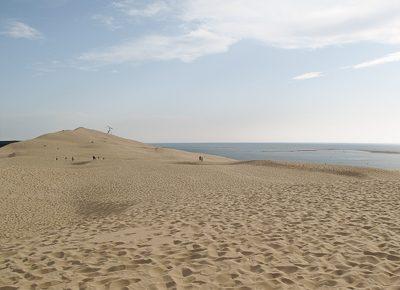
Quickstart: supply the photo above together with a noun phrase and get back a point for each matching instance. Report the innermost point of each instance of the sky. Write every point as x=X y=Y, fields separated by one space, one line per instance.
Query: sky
x=202 y=70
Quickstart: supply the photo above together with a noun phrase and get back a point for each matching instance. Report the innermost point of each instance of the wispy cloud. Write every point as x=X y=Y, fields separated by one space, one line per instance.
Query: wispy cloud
x=17 y=29
x=49 y=67
x=393 y=57
x=107 y=21
x=309 y=75
x=287 y=24
x=133 y=9
x=185 y=47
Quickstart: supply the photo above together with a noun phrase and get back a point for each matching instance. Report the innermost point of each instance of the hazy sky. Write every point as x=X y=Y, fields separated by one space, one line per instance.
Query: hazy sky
x=202 y=70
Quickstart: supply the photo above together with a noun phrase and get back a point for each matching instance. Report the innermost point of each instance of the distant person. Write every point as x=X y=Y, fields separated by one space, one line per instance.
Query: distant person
x=94 y=157
x=201 y=158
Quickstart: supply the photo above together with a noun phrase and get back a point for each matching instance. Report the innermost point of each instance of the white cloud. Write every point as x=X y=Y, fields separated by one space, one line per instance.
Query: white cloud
x=309 y=75
x=17 y=29
x=185 y=47
x=107 y=21
x=288 y=24
x=298 y=24
x=393 y=57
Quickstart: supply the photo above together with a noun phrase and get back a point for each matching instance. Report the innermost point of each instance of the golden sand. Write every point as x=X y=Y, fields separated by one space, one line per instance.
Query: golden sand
x=140 y=217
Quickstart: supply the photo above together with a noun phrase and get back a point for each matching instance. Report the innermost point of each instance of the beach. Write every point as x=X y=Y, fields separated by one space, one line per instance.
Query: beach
x=81 y=209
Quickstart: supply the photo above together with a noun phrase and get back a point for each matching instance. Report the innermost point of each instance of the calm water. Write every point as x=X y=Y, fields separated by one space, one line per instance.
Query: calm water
x=371 y=155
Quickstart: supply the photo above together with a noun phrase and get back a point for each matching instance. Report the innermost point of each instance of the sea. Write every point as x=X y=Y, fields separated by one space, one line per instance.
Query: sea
x=386 y=156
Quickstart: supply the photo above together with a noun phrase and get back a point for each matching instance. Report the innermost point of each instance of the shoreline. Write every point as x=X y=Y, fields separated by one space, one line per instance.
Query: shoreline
x=356 y=157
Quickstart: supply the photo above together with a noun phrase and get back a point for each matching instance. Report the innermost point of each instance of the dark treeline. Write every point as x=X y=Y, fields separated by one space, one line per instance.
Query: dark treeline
x=4 y=143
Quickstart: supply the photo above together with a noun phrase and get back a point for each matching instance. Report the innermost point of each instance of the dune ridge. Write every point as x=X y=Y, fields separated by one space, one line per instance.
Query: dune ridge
x=141 y=217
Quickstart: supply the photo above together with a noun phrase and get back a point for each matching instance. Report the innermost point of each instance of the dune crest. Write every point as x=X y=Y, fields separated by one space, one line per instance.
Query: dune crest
x=82 y=143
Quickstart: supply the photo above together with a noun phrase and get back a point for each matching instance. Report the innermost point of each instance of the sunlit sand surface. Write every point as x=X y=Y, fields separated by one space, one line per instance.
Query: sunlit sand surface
x=140 y=217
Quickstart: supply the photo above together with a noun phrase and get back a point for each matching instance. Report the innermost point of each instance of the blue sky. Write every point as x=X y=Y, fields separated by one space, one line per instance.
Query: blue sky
x=202 y=70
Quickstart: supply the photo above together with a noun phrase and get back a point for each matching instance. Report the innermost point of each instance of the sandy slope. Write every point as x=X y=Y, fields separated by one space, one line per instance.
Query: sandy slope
x=155 y=218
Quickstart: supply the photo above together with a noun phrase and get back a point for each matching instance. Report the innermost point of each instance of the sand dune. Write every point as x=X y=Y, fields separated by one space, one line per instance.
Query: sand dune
x=140 y=217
